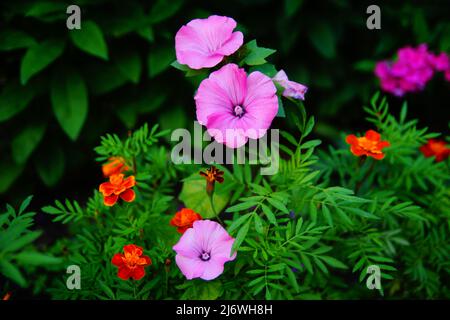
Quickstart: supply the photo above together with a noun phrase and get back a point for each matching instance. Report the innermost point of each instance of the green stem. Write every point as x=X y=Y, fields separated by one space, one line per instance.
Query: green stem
x=214 y=209
x=134 y=290
x=369 y=171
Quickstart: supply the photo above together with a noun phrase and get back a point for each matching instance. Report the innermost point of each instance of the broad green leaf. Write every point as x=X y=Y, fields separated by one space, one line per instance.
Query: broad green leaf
x=38 y=57
x=240 y=237
x=164 y=9
x=90 y=39
x=242 y=206
x=179 y=66
x=209 y=290
x=15 y=39
x=278 y=204
x=194 y=196
x=256 y=55
x=291 y=7
x=107 y=290
x=132 y=17
x=26 y=141
x=258 y=224
x=36 y=258
x=238 y=222
x=281 y=113
x=365 y=65
x=173 y=118
x=69 y=101
x=129 y=64
x=10 y=271
x=103 y=78
x=270 y=215
x=41 y=9
x=159 y=59
x=50 y=165
x=25 y=204
x=22 y=241
x=14 y=98
x=323 y=39
x=9 y=171
x=420 y=27
x=333 y=262
x=268 y=69
x=147 y=33
x=327 y=214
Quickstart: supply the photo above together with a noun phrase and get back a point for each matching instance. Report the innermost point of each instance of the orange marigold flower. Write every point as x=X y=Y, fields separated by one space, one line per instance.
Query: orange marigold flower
x=6 y=296
x=370 y=145
x=115 y=165
x=118 y=186
x=437 y=148
x=131 y=263
x=212 y=175
x=184 y=219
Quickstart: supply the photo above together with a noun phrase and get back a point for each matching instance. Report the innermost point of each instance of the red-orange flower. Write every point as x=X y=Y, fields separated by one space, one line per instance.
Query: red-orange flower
x=184 y=219
x=212 y=175
x=131 y=264
x=118 y=186
x=6 y=296
x=437 y=148
x=370 y=145
x=115 y=165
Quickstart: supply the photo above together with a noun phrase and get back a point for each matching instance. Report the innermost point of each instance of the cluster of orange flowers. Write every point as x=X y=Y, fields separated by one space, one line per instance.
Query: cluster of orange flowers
x=371 y=145
x=132 y=263
x=118 y=185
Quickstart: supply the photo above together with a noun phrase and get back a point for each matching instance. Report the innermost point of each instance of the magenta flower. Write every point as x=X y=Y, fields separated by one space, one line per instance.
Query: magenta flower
x=234 y=106
x=203 y=43
x=203 y=250
x=441 y=62
x=291 y=89
x=411 y=71
x=447 y=75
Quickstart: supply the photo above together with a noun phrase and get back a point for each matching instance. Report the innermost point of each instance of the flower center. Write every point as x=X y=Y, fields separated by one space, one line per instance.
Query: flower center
x=239 y=111
x=205 y=256
x=369 y=145
x=132 y=259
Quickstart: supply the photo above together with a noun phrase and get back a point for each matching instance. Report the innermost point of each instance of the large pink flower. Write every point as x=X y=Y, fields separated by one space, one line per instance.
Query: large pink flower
x=203 y=250
x=234 y=106
x=203 y=43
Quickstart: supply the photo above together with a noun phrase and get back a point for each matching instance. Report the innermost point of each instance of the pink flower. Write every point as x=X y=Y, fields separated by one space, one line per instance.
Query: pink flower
x=203 y=43
x=447 y=75
x=234 y=106
x=291 y=89
x=203 y=250
x=411 y=72
x=441 y=62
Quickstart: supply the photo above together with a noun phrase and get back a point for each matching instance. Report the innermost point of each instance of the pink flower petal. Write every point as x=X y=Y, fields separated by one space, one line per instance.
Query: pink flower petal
x=189 y=247
x=234 y=106
x=204 y=238
x=292 y=89
x=212 y=270
x=190 y=267
x=223 y=127
x=203 y=43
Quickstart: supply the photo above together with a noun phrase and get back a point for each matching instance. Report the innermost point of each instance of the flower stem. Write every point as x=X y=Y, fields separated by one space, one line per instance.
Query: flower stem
x=369 y=171
x=214 y=209
x=134 y=289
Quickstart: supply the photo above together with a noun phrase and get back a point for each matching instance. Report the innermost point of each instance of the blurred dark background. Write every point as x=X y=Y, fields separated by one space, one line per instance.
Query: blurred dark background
x=122 y=63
